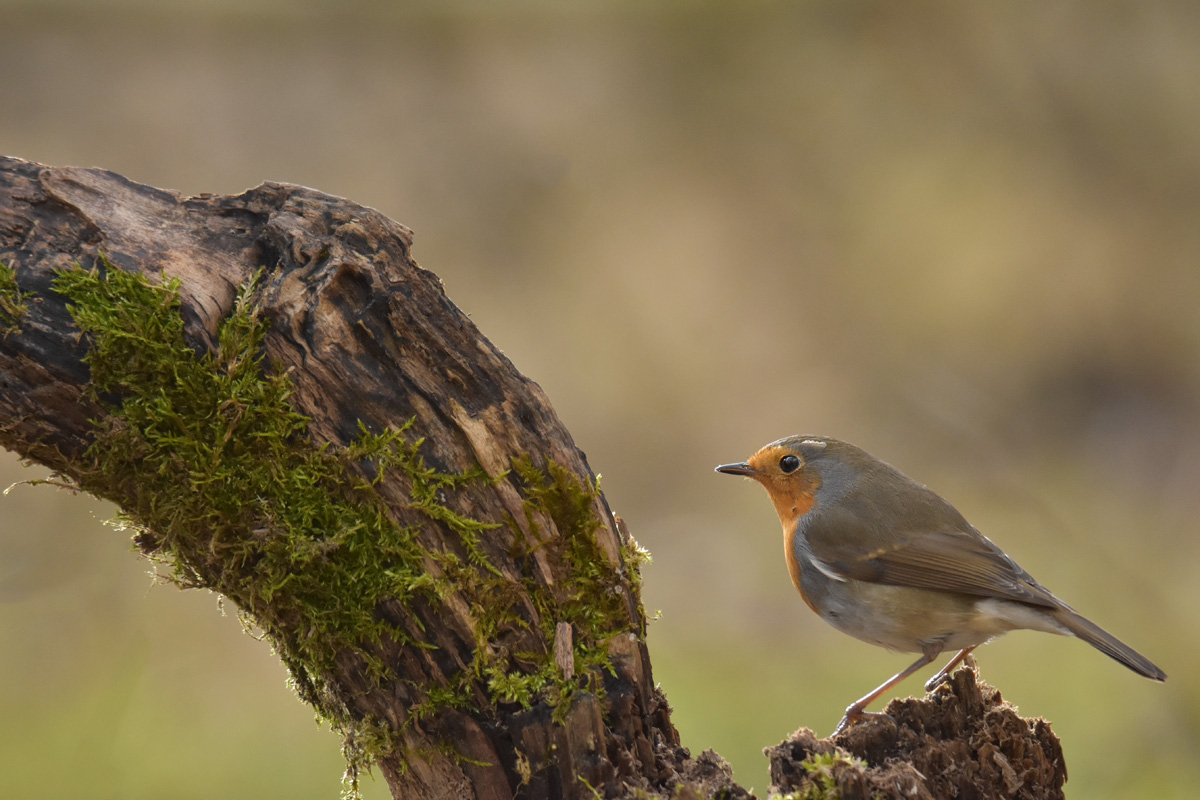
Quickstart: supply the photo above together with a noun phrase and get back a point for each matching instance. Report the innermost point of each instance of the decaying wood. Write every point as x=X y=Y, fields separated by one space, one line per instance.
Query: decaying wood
x=962 y=740
x=369 y=339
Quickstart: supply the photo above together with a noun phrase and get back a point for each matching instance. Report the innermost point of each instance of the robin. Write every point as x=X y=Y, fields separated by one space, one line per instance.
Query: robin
x=884 y=559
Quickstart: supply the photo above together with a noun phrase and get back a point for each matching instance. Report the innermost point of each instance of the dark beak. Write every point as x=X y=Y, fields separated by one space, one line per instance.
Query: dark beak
x=740 y=468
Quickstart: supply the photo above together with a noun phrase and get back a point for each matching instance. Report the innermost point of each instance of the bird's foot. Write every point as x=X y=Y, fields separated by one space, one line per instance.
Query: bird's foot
x=855 y=715
x=937 y=680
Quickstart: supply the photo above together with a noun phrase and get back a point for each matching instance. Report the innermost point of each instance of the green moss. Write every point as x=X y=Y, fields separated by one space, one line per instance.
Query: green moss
x=200 y=450
x=634 y=556
x=591 y=597
x=220 y=481
x=13 y=302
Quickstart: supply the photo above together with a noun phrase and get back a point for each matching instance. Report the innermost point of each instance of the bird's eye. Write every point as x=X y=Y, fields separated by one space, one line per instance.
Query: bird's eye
x=789 y=464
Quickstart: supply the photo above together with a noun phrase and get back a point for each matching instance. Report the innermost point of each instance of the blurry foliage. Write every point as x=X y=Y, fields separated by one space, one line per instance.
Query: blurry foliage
x=961 y=236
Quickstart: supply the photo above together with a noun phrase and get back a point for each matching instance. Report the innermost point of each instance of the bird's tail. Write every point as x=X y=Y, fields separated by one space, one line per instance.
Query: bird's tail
x=1108 y=644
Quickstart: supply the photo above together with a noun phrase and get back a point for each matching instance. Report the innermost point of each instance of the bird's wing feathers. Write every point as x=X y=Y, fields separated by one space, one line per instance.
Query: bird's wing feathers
x=949 y=559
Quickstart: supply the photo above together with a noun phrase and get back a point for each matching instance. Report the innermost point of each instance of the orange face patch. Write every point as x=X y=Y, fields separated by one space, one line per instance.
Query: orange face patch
x=792 y=493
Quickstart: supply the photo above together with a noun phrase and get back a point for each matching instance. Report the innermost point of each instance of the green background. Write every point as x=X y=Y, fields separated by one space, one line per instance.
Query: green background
x=963 y=236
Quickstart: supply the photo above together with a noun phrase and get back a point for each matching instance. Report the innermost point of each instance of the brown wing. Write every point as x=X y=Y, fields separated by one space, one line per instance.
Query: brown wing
x=949 y=559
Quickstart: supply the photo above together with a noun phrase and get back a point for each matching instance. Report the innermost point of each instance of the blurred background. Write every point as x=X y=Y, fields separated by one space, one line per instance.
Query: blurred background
x=962 y=236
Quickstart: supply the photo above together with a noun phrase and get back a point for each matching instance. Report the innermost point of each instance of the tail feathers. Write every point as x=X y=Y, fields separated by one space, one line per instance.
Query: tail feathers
x=1108 y=644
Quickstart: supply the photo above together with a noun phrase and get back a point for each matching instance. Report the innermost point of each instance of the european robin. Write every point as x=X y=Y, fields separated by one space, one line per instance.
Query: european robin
x=884 y=559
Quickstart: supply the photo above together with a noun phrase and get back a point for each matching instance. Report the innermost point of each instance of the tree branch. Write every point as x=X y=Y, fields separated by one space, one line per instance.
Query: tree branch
x=337 y=422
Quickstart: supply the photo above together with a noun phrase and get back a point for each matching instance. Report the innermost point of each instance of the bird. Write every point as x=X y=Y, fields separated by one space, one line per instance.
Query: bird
x=883 y=558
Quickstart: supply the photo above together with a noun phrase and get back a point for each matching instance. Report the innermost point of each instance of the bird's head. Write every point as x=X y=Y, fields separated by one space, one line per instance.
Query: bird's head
x=798 y=472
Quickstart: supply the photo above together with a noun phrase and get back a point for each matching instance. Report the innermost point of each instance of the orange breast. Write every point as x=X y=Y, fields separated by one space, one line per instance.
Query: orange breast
x=789 y=553
x=793 y=497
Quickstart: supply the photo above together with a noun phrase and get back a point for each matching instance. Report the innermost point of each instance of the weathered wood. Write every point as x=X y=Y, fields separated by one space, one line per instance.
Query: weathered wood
x=367 y=338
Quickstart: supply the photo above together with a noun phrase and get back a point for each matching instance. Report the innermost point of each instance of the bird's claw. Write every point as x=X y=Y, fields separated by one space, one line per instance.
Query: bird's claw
x=936 y=681
x=856 y=715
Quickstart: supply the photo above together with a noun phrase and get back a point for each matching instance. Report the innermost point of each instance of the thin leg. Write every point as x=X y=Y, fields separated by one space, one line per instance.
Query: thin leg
x=944 y=674
x=857 y=709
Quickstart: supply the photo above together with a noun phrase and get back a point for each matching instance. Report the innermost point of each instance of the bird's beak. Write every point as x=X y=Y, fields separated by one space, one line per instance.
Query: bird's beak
x=740 y=468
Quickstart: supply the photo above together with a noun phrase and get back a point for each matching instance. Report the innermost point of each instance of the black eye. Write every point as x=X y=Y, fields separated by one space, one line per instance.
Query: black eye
x=789 y=464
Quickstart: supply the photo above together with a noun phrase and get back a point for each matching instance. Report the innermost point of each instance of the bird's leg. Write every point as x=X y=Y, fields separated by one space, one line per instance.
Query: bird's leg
x=857 y=709
x=944 y=674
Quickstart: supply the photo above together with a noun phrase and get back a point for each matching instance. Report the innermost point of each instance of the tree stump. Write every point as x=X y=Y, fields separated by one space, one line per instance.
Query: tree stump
x=961 y=740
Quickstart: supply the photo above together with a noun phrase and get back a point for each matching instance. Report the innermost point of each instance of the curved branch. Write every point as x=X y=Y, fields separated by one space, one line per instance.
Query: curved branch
x=336 y=421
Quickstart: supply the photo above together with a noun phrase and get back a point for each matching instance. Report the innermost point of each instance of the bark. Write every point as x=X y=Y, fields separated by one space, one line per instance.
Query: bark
x=369 y=340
